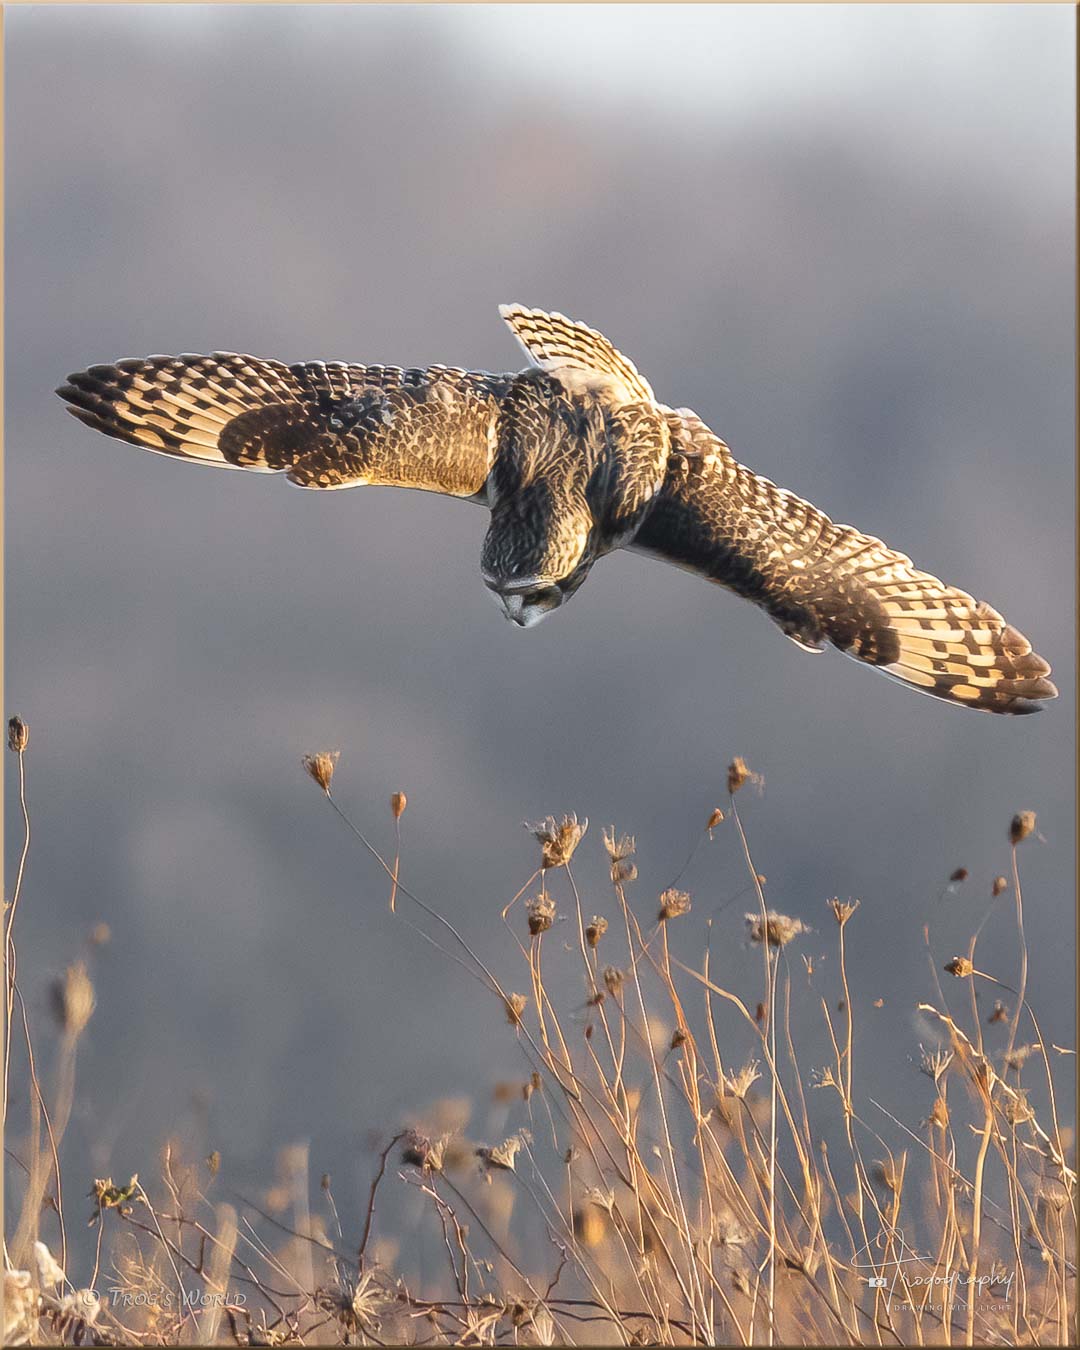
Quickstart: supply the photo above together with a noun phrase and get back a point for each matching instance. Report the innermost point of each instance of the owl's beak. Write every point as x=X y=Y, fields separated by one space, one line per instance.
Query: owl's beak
x=525 y=606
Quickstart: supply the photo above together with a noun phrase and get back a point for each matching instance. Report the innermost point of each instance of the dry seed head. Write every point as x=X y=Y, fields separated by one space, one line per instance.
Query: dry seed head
x=398 y=803
x=602 y=1198
x=843 y=910
x=939 y=1114
x=321 y=767
x=673 y=904
x=1023 y=824
x=18 y=735
x=73 y=999
x=1019 y=1056
x=613 y=979
x=515 y=1005
x=780 y=928
x=738 y=775
x=1000 y=884
x=1052 y=1195
x=961 y=874
x=823 y=1078
x=999 y=1014
x=557 y=839
x=213 y=1162
x=717 y=818
x=596 y=929
x=50 y=1272
x=502 y=1155
x=1015 y=1108
x=935 y=1062
x=541 y=911
x=623 y=871
x=739 y=1084
x=959 y=966
x=618 y=847
x=678 y=1037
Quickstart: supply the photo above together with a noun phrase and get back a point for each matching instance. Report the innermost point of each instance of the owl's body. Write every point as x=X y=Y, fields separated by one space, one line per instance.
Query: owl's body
x=574 y=458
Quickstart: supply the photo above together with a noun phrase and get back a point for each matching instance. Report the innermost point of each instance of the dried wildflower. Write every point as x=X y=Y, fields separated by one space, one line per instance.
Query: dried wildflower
x=427 y=1154
x=398 y=803
x=355 y=1306
x=780 y=928
x=18 y=735
x=673 y=904
x=622 y=872
x=739 y=1084
x=823 y=1078
x=73 y=999
x=1000 y=884
x=999 y=1014
x=110 y=1196
x=213 y=1162
x=959 y=966
x=1052 y=1195
x=618 y=847
x=541 y=912
x=502 y=1156
x=557 y=839
x=595 y=930
x=939 y=1114
x=738 y=775
x=613 y=979
x=19 y=1307
x=843 y=910
x=717 y=818
x=1015 y=1107
x=76 y=1312
x=934 y=1063
x=50 y=1273
x=321 y=767
x=515 y=1005
x=1023 y=824
x=602 y=1198
x=1019 y=1056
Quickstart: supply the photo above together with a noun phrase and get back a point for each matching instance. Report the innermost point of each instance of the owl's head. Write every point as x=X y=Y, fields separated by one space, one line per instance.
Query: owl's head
x=535 y=556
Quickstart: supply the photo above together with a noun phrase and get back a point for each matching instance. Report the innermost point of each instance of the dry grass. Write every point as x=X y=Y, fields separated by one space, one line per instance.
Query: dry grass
x=668 y=1182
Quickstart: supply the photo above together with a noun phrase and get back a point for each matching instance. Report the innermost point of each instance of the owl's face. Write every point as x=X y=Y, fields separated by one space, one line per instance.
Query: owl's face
x=536 y=554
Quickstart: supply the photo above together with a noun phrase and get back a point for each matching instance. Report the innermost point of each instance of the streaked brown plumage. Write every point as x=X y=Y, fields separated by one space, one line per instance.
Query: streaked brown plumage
x=575 y=458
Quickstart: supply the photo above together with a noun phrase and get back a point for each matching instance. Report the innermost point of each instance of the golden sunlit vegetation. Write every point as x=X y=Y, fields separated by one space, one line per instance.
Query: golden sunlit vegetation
x=675 y=1173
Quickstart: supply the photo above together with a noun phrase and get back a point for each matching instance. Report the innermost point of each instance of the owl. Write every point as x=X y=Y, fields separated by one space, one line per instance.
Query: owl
x=574 y=458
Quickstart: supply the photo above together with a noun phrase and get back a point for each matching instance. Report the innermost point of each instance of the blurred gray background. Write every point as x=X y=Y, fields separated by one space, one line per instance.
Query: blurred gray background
x=843 y=236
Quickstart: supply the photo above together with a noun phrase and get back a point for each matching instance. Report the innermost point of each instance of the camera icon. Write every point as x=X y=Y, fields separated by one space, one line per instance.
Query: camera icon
x=877 y=1282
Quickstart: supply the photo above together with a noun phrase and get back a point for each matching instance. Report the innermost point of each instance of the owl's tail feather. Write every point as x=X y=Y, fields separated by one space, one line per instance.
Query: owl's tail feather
x=181 y=405
x=939 y=640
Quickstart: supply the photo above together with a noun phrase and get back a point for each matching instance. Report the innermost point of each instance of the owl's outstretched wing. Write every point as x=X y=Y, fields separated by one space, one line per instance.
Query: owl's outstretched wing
x=323 y=425
x=575 y=353
x=828 y=583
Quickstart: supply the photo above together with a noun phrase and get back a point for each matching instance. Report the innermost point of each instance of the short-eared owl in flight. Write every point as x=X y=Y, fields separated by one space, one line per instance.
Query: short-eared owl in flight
x=573 y=457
